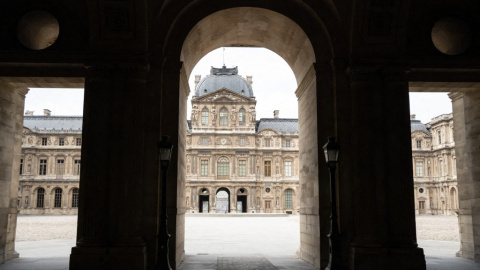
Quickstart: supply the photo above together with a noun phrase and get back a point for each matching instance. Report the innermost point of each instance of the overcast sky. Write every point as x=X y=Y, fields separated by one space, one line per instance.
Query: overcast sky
x=274 y=87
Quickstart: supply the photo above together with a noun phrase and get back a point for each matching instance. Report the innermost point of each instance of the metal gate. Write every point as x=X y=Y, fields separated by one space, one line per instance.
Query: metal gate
x=222 y=202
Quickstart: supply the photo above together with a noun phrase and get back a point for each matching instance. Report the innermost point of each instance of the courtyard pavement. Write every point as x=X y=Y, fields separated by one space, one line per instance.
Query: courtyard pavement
x=223 y=242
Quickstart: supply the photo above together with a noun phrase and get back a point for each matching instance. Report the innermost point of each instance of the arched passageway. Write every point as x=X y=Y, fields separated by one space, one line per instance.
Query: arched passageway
x=258 y=27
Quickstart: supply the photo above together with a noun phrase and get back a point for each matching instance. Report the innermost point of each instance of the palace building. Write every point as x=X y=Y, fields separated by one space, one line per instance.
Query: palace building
x=50 y=164
x=235 y=163
x=434 y=163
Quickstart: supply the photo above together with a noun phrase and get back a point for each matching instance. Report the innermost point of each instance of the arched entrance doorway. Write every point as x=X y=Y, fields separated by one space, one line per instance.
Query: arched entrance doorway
x=222 y=201
x=258 y=27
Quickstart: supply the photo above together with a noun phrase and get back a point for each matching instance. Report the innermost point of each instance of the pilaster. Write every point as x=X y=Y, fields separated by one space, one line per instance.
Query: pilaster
x=385 y=235
x=12 y=100
x=110 y=210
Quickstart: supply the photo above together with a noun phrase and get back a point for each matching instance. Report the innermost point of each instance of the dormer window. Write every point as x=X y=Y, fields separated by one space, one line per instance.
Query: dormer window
x=419 y=144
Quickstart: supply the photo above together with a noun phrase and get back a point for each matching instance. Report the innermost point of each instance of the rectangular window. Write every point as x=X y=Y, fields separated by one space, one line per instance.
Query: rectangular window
x=44 y=141
x=242 y=141
x=205 y=117
x=204 y=141
x=439 y=137
x=288 y=199
x=75 y=198
x=287 y=143
x=421 y=204
x=288 y=168
x=78 y=142
x=419 y=169
x=21 y=166
x=419 y=144
x=242 y=168
x=267 y=142
x=76 y=167
x=204 y=167
x=42 y=170
x=61 y=141
x=60 y=166
x=268 y=168
x=57 y=203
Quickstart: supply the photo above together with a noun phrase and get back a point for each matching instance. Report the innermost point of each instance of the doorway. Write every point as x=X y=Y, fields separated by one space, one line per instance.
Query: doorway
x=222 y=201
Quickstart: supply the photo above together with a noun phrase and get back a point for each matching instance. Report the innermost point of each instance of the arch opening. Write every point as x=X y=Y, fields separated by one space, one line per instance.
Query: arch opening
x=258 y=27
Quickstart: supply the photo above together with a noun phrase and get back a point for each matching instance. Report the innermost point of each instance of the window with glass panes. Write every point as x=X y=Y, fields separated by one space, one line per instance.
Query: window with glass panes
x=288 y=168
x=419 y=144
x=75 y=197
x=44 y=141
x=241 y=117
x=205 y=117
x=242 y=167
x=287 y=143
x=76 y=167
x=42 y=168
x=419 y=168
x=223 y=117
x=57 y=203
x=21 y=166
x=268 y=168
x=204 y=167
x=40 y=197
x=60 y=166
x=78 y=142
x=288 y=199
x=223 y=168
x=267 y=142
x=204 y=141
x=61 y=141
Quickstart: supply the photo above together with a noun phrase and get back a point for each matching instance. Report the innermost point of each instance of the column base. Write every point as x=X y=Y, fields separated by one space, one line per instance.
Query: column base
x=93 y=258
x=363 y=258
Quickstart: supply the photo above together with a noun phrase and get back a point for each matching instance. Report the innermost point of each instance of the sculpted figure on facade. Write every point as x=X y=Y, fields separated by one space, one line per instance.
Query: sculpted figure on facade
x=252 y=114
x=233 y=115
x=214 y=115
x=194 y=115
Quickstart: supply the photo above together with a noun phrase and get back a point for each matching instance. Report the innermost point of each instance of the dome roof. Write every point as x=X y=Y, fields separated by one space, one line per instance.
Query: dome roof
x=224 y=78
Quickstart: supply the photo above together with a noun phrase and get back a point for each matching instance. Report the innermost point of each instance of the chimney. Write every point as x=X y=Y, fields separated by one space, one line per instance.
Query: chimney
x=197 y=80
x=276 y=113
x=28 y=112
x=249 y=80
x=47 y=112
x=412 y=116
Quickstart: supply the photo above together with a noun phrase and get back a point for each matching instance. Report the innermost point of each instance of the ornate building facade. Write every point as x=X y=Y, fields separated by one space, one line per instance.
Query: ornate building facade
x=434 y=163
x=236 y=164
x=50 y=164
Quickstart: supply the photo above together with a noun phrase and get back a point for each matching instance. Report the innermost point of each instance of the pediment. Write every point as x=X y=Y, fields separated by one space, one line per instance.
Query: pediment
x=224 y=95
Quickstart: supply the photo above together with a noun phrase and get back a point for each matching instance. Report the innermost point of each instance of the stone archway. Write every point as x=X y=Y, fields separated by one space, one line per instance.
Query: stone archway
x=251 y=26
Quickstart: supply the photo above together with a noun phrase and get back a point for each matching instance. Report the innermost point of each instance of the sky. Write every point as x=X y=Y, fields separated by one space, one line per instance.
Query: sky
x=274 y=87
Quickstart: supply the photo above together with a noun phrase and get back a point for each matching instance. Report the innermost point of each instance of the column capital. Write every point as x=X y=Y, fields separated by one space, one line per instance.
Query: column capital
x=455 y=95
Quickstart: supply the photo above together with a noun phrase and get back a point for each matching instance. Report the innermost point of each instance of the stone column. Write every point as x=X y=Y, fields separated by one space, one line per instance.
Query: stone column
x=385 y=234
x=111 y=181
x=466 y=118
x=12 y=101
x=233 y=199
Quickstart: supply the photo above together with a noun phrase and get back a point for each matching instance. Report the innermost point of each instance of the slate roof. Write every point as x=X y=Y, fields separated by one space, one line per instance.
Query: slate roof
x=282 y=125
x=53 y=124
x=224 y=77
x=416 y=125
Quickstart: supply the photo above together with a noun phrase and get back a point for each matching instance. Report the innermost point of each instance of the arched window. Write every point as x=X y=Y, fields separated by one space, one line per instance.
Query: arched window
x=57 y=203
x=223 y=168
x=288 y=199
x=223 y=117
x=40 y=197
x=205 y=117
x=241 y=117
x=75 y=197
